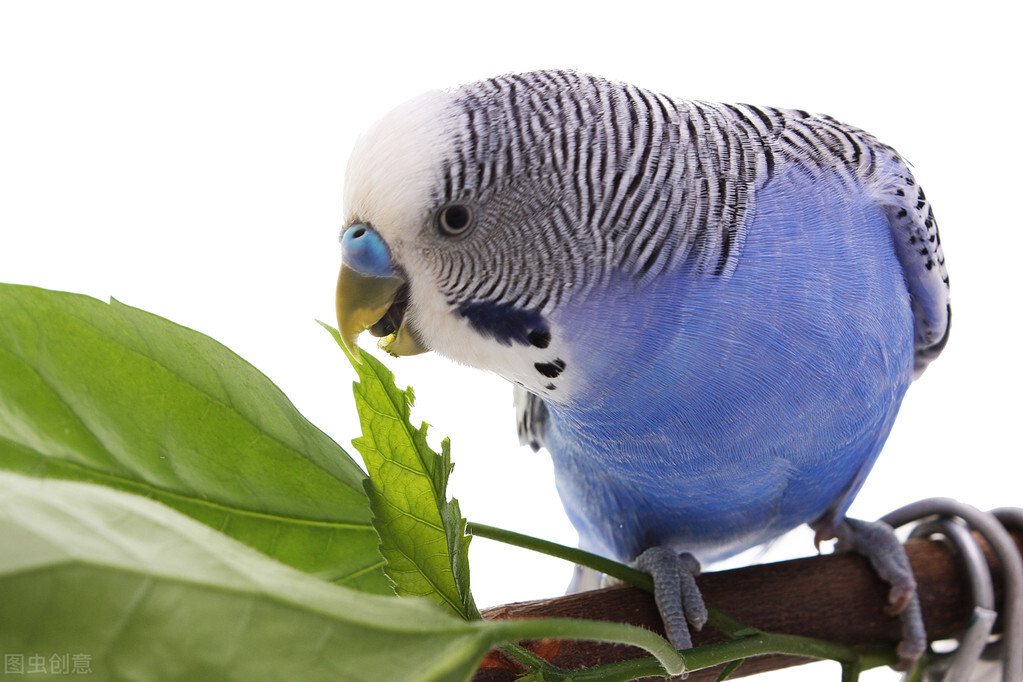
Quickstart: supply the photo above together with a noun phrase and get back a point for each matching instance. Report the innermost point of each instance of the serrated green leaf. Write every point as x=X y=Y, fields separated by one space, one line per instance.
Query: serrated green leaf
x=142 y=592
x=422 y=534
x=114 y=395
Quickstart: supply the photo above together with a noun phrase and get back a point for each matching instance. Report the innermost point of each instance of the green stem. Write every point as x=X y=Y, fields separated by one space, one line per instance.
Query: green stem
x=779 y=643
x=727 y=671
x=527 y=659
x=571 y=628
x=919 y=669
x=747 y=641
x=577 y=556
x=711 y=655
x=730 y=626
x=623 y=671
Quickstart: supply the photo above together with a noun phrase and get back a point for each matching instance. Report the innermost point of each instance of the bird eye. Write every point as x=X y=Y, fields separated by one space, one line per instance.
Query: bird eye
x=454 y=220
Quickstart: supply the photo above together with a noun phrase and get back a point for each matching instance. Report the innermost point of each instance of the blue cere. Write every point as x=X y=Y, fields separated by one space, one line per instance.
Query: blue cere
x=364 y=251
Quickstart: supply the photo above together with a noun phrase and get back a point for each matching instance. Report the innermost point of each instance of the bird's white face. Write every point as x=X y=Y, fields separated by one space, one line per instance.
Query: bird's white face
x=394 y=169
x=394 y=186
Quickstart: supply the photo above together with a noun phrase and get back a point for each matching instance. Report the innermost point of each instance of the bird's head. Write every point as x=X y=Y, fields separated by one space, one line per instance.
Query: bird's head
x=457 y=234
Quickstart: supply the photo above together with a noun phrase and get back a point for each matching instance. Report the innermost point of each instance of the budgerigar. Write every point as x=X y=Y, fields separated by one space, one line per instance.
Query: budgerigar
x=711 y=311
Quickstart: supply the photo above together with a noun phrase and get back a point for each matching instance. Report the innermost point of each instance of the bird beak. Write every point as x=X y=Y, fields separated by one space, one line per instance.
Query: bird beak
x=361 y=301
x=367 y=288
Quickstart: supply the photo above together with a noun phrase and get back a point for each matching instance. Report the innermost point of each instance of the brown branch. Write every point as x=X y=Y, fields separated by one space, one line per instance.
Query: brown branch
x=835 y=597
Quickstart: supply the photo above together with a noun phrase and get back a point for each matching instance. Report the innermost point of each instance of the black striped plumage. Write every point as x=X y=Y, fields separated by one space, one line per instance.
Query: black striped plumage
x=605 y=177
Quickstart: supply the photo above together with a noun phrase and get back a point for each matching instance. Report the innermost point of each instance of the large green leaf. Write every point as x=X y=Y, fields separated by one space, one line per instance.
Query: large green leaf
x=422 y=533
x=114 y=395
x=137 y=591
x=146 y=593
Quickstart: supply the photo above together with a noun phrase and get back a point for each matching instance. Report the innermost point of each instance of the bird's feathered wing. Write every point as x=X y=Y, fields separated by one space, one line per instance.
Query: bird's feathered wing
x=860 y=160
x=531 y=416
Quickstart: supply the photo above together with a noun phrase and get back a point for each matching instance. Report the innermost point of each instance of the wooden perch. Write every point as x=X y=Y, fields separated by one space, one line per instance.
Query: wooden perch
x=835 y=597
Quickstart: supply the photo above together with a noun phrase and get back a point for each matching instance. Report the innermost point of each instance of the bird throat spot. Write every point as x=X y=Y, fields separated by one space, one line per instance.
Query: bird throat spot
x=551 y=369
x=507 y=324
x=541 y=338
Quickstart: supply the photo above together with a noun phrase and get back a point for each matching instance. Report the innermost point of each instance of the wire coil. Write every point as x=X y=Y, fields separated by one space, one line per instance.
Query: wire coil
x=979 y=655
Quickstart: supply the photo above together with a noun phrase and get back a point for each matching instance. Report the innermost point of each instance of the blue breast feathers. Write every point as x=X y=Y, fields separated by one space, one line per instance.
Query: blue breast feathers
x=729 y=410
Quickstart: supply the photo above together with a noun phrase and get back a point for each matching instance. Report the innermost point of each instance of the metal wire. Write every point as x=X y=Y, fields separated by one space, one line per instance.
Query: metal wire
x=955 y=522
x=963 y=662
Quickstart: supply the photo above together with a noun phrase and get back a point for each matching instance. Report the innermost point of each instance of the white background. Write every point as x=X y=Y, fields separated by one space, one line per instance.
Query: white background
x=188 y=158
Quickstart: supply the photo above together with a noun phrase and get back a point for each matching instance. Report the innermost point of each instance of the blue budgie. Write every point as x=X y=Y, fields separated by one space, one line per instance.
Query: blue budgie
x=711 y=312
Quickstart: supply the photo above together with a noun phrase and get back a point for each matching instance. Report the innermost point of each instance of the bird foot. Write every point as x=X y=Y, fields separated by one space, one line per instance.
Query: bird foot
x=878 y=543
x=675 y=591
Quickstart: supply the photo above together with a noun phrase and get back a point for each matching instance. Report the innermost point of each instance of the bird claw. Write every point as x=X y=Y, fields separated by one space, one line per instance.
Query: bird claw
x=878 y=543
x=676 y=593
